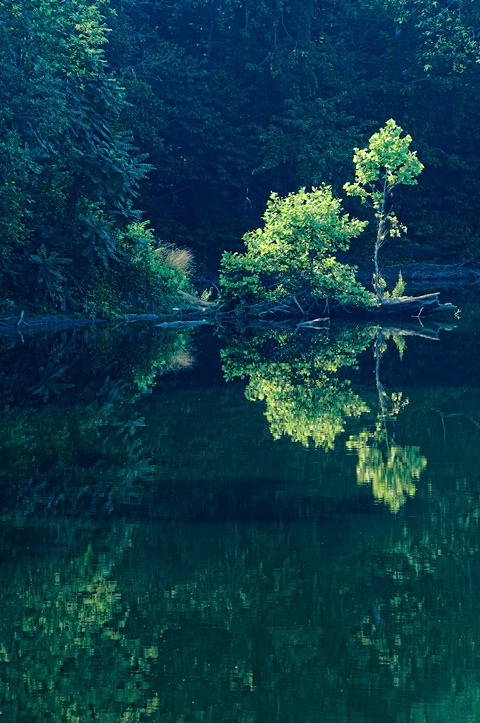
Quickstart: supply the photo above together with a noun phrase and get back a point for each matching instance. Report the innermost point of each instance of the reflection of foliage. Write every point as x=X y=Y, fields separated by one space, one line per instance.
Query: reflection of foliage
x=305 y=398
x=359 y=617
x=390 y=469
x=390 y=405
x=68 y=405
x=315 y=411
x=391 y=478
x=420 y=607
x=308 y=399
x=67 y=623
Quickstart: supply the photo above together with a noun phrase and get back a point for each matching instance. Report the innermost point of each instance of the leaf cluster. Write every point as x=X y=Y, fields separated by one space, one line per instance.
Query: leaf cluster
x=293 y=255
x=72 y=238
x=387 y=163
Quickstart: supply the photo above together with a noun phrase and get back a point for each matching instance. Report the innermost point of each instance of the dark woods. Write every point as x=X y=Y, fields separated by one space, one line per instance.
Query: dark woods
x=189 y=113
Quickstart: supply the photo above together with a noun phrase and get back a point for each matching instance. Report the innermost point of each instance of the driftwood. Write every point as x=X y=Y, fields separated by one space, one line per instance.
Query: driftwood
x=401 y=307
x=429 y=331
x=197 y=301
x=141 y=317
x=315 y=323
x=407 y=306
x=182 y=324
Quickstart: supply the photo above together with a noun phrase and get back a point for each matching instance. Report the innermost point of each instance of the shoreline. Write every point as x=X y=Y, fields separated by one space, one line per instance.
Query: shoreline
x=421 y=276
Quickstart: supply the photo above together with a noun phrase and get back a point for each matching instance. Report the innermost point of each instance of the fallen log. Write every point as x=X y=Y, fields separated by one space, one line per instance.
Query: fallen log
x=197 y=301
x=321 y=323
x=400 y=307
x=405 y=306
x=431 y=330
x=182 y=324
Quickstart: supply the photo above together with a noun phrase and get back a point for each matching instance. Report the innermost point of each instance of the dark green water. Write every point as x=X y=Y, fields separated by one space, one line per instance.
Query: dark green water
x=282 y=526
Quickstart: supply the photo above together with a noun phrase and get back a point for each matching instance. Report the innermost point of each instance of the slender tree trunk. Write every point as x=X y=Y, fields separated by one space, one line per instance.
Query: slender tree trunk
x=377 y=286
x=379 y=241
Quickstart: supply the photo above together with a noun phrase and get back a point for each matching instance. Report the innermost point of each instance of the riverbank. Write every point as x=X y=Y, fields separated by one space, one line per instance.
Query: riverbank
x=424 y=277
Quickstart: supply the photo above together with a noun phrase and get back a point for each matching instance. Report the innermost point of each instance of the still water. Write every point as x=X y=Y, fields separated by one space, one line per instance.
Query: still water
x=275 y=525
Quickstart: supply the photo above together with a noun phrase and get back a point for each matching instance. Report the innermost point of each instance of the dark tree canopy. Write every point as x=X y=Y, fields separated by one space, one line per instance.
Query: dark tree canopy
x=196 y=111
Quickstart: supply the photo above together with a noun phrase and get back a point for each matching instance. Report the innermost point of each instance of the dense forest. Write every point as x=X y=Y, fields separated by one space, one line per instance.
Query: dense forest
x=132 y=131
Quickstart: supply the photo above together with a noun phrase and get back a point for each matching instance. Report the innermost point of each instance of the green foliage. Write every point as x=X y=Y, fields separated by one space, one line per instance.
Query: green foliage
x=158 y=270
x=70 y=173
x=228 y=102
x=399 y=288
x=387 y=163
x=448 y=46
x=292 y=257
x=233 y=101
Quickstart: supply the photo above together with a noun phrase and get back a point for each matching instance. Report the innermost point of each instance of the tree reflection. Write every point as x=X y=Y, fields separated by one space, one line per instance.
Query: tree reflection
x=303 y=382
x=309 y=397
x=70 y=434
x=350 y=614
x=67 y=620
x=390 y=469
x=391 y=475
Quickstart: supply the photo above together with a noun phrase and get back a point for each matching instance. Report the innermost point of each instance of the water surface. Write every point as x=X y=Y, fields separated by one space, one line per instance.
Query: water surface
x=281 y=525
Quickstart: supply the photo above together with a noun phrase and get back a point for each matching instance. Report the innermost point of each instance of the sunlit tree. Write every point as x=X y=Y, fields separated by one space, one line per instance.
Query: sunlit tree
x=387 y=163
x=291 y=260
